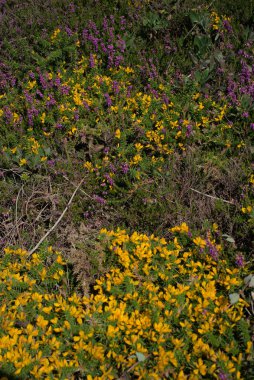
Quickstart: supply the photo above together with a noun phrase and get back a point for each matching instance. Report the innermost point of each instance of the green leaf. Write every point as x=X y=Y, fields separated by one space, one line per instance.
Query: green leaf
x=141 y=357
x=229 y=238
x=248 y=278
x=251 y=283
x=234 y=298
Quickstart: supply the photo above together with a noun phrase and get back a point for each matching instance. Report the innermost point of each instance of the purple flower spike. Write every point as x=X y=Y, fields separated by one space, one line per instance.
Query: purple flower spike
x=125 y=168
x=239 y=260
x=108 y=100
x=99 y=199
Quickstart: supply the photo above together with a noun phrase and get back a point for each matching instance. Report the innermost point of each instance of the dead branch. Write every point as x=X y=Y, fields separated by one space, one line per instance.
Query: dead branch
x=212 y=197
x=57 y=222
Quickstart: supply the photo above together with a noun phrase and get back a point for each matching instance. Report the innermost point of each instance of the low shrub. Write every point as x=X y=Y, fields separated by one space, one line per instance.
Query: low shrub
x=166 y=309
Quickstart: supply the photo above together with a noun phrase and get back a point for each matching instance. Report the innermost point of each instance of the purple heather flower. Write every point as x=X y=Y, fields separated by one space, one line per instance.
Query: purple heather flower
x=245 y=114
x=122 y=22
x=129 y=88
x=223 y=376
x=121 y=45
x=109 y=179
x=57 y=81
x=59 y=126
x=252 y=126
x=95 y=42
x=239 y=260
x=111 y=34
x=72 y=7
x=85 y=34
x=31 y=112
x=28 y=97
x=189 y=130
x=43 y=82
x=165 y=99
x=112 y=167
x=118 y=60
x=103 y=48
x=108 y=100
x=227 y=26
x=99 y=199
x=86 y=214
x=91 y=61
x=86 y=105
x=115 y=87
x=125 y=168
x=39 y=93
x=105 y=24
x=76 y=115
x=65 y=90
x=51 y=101
x=93 y=27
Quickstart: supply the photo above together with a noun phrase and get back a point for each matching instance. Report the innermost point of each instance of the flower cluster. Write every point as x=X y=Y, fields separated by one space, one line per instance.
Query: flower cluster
x=161 y=305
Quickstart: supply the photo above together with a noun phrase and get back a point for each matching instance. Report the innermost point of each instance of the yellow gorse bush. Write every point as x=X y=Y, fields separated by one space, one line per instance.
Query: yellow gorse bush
x=161 y=311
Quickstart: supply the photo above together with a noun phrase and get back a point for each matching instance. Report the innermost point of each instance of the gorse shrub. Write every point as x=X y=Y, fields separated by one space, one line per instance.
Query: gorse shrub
x=163 y=310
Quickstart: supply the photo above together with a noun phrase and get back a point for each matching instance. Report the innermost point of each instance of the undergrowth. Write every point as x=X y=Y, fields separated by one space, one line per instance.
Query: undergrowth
x=134 y=119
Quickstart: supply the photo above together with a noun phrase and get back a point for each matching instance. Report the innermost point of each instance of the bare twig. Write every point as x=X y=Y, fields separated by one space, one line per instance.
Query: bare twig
x=82 y=191
x=212 y=197
x=16 y=212
x=41 y=211
x=58 y=220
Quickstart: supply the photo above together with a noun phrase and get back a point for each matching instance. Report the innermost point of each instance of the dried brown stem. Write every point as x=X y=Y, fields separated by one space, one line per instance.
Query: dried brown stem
x=212 y=197
x=58 y=220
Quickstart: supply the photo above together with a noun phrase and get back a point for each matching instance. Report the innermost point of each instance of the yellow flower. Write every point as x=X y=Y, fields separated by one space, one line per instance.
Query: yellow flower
x=55 y=34
x=59 y=260
x=183 y=228
x=43 y=116
x=31 y=84
x=182 y=376
x=138 y=146
x=200 y=368
x=196 y=96
x=215 y=227
x=89 y=166
x=112 y=331
x=43 y=273
x=161 y=327
x=136 y=159
x=41 y=322
x=22 y=162
x=67 y=325
x=249 y=347
x=47 y=310
x=199 y=242
x=37 y=297
x=118 y=133
x=128 y=70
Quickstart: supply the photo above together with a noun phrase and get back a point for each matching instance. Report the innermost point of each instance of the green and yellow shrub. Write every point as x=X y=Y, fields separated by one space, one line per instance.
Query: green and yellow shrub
x=162 y=311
